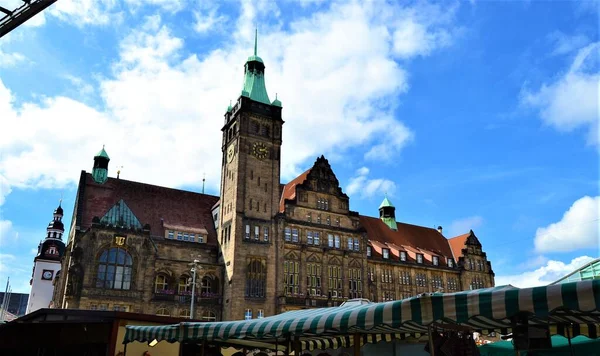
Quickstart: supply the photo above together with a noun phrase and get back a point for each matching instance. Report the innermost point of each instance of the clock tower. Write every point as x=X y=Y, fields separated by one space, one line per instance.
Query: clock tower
x=47 y=264
x=250 y=196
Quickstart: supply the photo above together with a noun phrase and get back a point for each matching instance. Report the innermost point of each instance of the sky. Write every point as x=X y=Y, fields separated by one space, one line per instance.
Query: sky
x=477 y=115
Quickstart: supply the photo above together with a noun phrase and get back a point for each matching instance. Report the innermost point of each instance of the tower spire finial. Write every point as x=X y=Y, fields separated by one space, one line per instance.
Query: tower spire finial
x=255 y=40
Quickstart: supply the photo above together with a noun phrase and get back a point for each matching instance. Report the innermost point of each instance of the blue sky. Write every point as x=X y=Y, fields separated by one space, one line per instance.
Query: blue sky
x=470 y=115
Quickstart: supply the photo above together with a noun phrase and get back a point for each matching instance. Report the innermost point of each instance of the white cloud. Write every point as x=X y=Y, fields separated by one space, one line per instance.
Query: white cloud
x=577 y=229
x=564 y=44
x=550 y=272
x=208 y=20
x=85 y=12
x=462 y=226
x=360 y=185
x=163 y=108
x=571 y=101
x=5 y=259
x=10 y=59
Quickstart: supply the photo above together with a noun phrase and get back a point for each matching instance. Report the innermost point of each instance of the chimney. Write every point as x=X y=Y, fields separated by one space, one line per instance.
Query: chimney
x=439 y=229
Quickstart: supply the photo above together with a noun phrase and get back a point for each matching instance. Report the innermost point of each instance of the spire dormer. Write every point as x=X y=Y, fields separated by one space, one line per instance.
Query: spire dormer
x=100 y=170
x=387 y=213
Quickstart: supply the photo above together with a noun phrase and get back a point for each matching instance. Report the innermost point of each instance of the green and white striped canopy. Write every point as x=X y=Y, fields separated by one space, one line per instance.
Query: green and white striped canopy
x=488 y=309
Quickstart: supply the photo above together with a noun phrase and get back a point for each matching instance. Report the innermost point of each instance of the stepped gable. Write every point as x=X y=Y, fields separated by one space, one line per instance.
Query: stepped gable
x=460 y=242
x=153 y=205
x=408 y=237
x=319 y=178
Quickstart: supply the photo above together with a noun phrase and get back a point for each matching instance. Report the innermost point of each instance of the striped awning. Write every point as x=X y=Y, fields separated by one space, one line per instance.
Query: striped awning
x=488 y=309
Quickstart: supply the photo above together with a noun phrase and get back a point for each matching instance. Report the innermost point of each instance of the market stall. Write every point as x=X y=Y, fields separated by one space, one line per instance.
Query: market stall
x=571 y=309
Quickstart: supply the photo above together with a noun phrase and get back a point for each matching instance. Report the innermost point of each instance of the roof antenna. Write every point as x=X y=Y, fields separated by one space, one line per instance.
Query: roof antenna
x=255 y=39
x=203 y=181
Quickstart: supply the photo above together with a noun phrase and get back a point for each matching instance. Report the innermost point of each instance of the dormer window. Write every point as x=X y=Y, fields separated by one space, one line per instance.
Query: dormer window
x=368 y=251
x=403 y=256
x=450 y=263
x=419 y=258
x=436 y=260
x=386 y=253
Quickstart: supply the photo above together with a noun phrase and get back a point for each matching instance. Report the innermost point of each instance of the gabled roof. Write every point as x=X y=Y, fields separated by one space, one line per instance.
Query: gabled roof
x=289 y=190
x=418 y=237
x=458 y=243
x=150 y=204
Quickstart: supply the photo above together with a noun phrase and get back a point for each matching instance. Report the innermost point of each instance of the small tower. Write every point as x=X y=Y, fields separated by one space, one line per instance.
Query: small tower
x=387 y=213
x=100 y=170
x=47 y=263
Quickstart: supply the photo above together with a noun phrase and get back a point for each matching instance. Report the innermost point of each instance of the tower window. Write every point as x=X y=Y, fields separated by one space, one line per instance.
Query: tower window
x=337 y=241
x=192 y=237
x=350 y=244
x=256 y=277
x=330 y=240
x=250 y=204
x=316 y=238
x=247 y=235
x=294 y=235
x=328 y=220
x=266 y=233
x=288 y=234
x=356 y=245
x=319 y=219
x=256 y=232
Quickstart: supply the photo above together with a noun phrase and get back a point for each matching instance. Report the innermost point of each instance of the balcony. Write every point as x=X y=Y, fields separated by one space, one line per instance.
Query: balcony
x=203 y=298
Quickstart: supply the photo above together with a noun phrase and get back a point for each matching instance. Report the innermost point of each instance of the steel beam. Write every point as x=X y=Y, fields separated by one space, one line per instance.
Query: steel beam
x=17 y=17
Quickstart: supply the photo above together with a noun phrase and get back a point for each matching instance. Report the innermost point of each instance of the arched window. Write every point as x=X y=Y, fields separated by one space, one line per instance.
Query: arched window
x=114 y=269
x=160 y=283
x=184 y=313
x=209 y=316
x=209 y=286
x=163 y=312
x=256 y=278
x=184 y=287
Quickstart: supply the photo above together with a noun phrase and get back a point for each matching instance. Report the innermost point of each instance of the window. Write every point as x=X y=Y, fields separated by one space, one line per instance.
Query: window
x=369 y=251
x=335 y=281
x=356 y=245
x=163 y=312
x=160 y=284
x=261 y=314
x=480 y=265
x=319 y=219
x=316 y=238
x=403 y=256
x=322 y=204
x=452 y=284
x=387 y=285
x=450 y=263
x=350 y=244
x=313 y=279
x=309 y=217
x=470 y=263
x=288 y=234
x=419 y=258
x=294 y=235
x=437 y=282
x=328 y=220
x=114 y=269
x=184 y=287
x=435 y=260
x=355 y=283
x=211 y=316
x=309 y=237
x=120 y=307
x=192 y=237
x=184 y=313
x=477 y=283
x=386 y=253
x=291 y=270
x=247 y=235
x=256 y=277
x=337 y=221
x=256 y=232
x=371 y=274
x=421 y=279
x=171 y=234
x=186 y=236
x=337 y=241
x=330 y=240
x=248 y=314
x=404 y=278
x=266 y=233
x=52 y=250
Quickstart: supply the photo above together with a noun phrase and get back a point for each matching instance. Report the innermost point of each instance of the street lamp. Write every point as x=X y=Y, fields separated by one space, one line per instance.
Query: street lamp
x=193 y=270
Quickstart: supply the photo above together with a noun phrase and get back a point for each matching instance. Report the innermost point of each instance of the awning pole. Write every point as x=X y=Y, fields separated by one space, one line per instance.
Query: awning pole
x=430 y=335
x=297 y=347
x=125 y=350
x=569 y=338
x=357 y=344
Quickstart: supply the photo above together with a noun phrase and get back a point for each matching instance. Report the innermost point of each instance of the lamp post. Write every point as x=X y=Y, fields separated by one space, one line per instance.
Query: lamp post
x=193 y=270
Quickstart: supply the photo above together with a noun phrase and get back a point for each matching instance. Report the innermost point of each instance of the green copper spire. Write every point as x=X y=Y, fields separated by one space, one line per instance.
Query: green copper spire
x=387 y=213
x=276 y=102
x=254 y=77
x=100 y=170
x=229 y=108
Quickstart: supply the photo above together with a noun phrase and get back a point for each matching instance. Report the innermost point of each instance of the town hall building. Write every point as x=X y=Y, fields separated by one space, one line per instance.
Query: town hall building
x=261 y=247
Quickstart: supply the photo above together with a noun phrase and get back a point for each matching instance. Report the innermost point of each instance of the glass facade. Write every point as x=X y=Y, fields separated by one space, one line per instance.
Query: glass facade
x=585 y=273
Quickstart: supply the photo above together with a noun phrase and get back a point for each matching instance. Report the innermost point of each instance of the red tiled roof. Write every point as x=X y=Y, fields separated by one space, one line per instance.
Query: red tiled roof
x=428 y=240
x=289 y=190
x=457 y=243
x=151 y=204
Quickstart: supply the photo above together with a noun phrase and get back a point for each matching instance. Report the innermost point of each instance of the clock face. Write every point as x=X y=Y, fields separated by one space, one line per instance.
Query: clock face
x=230 y=153
x=259 y=150
x=47 y=275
